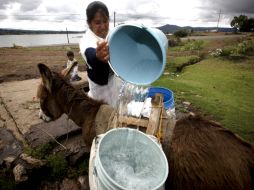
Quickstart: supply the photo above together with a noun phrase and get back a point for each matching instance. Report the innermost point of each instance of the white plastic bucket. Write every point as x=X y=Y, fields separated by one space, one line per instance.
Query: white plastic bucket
x=127 y=159
x=137 y=53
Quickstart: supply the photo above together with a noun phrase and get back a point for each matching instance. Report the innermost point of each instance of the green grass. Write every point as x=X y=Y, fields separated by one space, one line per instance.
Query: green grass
x=190 y=45
x=174 y=62
x=221 y=88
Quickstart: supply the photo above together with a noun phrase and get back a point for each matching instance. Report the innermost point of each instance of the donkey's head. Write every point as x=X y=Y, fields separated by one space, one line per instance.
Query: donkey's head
x=58 y=96
x=46 y=92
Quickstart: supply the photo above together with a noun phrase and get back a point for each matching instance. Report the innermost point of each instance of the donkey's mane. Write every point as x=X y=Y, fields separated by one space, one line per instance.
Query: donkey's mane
x=72 y=94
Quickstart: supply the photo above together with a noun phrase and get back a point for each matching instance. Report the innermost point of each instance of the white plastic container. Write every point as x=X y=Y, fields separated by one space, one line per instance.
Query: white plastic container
x=127 y=159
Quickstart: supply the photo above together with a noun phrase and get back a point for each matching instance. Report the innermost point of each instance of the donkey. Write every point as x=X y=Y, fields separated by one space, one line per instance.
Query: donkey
x=57 y=96
x=204 y=155
x=201 y=153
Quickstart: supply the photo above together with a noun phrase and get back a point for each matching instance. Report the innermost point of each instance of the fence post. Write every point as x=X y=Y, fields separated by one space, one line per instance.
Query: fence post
x=67 y=35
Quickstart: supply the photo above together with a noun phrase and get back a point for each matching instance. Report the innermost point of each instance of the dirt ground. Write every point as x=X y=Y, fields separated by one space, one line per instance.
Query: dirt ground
x=19 y=78
x=21 y=63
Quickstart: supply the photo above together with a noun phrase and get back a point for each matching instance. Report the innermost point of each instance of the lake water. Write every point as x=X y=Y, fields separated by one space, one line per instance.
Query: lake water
x=38 y=39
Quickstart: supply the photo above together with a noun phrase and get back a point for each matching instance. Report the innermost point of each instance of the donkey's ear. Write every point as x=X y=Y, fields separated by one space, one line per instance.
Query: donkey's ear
x=66 y=72
x=46 y=76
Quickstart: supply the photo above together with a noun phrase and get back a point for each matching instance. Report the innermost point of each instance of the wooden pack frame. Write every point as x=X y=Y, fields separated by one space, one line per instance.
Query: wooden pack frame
x=154 y=125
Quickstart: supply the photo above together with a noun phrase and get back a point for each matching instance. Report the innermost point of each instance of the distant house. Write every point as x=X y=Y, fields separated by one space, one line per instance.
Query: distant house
x=213 y=30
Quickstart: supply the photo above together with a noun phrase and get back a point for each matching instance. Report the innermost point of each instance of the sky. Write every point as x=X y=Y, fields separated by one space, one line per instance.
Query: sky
x=70 y=14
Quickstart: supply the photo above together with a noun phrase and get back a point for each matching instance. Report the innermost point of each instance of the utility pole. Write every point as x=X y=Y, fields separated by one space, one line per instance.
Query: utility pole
x=67 y=35
x=218 y=21
x=114 y=18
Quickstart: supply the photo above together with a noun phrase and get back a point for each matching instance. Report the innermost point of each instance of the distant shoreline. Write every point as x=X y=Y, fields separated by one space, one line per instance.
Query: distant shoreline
x=34 y=32
x=37 y=46
x=32 y=40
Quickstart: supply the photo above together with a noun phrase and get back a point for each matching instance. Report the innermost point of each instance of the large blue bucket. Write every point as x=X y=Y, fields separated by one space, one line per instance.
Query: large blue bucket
x=168 y=96
x=137 y=54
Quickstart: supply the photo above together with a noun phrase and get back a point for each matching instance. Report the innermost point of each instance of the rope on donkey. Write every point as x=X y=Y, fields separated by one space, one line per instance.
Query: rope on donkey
x=51 y=136
x=159 y=132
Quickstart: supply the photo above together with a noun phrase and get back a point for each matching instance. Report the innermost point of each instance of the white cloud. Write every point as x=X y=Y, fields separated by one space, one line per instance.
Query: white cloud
x=57 y=15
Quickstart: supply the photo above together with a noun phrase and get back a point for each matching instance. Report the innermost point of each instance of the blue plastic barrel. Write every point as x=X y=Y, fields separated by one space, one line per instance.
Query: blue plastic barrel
x=168 y=96
x=137 y=53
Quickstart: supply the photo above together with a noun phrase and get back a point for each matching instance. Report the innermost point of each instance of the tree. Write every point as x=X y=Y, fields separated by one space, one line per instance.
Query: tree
x=251 y=24
x=243 y=23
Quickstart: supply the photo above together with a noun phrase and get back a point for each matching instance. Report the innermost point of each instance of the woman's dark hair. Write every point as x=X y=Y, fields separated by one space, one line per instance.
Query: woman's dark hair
x=92 y=9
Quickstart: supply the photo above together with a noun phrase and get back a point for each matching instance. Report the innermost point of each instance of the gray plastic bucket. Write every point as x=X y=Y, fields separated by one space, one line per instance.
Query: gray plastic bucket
x=137 y=53
x=127 y=159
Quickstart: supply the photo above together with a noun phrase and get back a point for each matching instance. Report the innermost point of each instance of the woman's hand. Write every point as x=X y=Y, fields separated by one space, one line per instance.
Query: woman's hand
x=102 y=52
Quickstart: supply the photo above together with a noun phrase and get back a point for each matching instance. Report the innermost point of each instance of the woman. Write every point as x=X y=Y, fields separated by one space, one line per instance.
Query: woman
x=94 y=49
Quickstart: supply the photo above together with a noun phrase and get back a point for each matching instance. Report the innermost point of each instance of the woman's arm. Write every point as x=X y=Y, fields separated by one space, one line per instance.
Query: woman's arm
x=97 y=55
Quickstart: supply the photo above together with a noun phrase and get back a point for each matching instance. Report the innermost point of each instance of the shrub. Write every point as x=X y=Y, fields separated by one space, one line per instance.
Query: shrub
x=194 y=59
x=41 y=151
x=245 y=48
x=58 y=164
x=174 y=42
x=192 y=45
x=240 y=50
x=216 y=53
x=226 y=52
x=181 y=33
